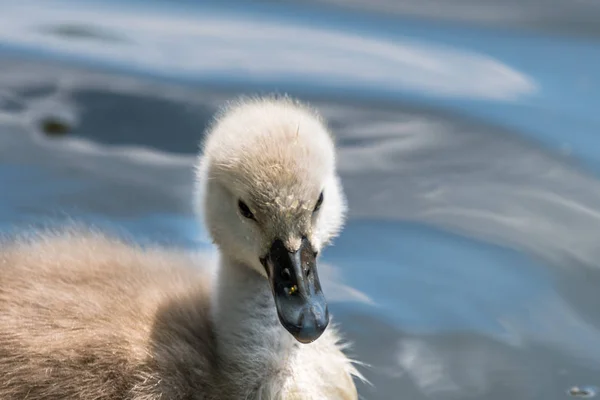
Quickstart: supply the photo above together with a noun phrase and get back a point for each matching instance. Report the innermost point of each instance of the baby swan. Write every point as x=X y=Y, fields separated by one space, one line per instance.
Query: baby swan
x=84 y=316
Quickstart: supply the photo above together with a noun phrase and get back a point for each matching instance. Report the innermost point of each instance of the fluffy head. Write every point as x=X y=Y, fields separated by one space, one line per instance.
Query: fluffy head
x=275 y=156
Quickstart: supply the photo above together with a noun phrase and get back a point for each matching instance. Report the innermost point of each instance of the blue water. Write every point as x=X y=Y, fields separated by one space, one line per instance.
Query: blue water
x=468 y=148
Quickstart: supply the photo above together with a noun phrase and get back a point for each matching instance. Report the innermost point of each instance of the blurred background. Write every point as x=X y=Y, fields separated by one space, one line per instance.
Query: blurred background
x=469 y=148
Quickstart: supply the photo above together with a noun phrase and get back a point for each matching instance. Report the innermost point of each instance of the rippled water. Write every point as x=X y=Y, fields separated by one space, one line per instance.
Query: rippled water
x=470 y=156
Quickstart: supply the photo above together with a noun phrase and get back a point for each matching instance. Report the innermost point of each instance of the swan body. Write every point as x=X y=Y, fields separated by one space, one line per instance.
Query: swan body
x=87 y=316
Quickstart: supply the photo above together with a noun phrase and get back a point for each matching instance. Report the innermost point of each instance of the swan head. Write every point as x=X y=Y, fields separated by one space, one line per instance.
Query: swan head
x=271 y=200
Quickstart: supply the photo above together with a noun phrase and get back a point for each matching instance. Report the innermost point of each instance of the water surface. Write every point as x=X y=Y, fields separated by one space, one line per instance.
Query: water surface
x=468 y=149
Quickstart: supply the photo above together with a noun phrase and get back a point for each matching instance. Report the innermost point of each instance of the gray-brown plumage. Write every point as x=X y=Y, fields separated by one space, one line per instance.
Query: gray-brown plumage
x=85 y=316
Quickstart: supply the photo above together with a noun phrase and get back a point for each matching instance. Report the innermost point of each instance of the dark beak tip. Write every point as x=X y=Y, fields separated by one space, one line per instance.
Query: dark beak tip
x=306 y=336
x=310 y=327
x=306 y=339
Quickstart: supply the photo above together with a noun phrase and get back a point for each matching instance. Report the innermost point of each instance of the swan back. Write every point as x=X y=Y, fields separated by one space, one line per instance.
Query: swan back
x=87 y=316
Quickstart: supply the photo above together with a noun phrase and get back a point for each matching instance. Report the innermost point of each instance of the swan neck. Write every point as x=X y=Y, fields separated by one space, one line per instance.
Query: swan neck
x=246 y=322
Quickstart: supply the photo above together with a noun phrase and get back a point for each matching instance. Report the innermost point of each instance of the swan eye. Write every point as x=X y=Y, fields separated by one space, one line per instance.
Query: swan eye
x=319 y=202
x=245 y=210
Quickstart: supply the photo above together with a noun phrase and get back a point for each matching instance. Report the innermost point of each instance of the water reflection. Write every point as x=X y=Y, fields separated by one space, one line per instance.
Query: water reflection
x=567 y=17
x=478 y=179
x=226 y=47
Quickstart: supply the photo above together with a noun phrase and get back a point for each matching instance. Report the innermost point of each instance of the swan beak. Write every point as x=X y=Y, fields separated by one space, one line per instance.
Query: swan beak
x=300 y=302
